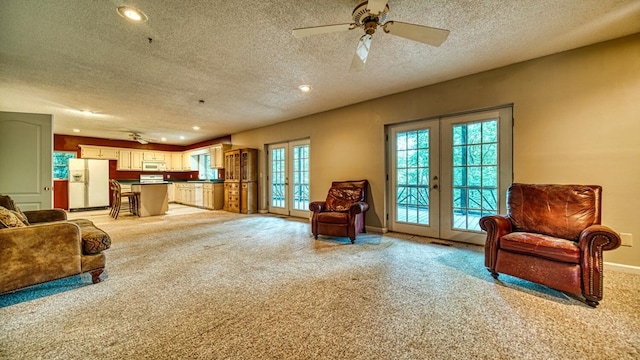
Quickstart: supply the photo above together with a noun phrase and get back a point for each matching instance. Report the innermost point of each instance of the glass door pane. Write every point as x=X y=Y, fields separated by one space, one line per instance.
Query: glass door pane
x=414 y=153
x=477 y=169
x=300 y=174
x=278 y=179
x=289 y=178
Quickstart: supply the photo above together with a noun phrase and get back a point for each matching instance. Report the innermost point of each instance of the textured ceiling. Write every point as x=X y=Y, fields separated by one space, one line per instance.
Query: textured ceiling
x=61 y=57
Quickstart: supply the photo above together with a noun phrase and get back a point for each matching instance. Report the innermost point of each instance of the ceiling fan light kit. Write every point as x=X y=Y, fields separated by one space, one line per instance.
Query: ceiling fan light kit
x=367 y=16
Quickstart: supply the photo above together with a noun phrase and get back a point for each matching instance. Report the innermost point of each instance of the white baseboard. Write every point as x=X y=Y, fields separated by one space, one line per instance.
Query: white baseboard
x=621 y=267
x=375 y=229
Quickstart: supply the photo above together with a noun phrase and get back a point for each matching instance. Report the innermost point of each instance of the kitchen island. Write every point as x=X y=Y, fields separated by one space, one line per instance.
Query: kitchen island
x=154 y=198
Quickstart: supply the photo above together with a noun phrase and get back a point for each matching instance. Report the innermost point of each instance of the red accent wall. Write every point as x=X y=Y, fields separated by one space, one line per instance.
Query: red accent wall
x=70 y=143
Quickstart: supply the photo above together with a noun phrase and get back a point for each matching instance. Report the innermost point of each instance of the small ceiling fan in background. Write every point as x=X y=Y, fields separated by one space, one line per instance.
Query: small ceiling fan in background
x=139 y=138
x=368 y=15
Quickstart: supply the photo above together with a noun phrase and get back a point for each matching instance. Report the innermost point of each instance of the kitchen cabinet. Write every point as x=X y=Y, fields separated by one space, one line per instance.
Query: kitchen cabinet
x=129 y=159
x=241 y=181
x=200 y=194
x=212 y=196
x=98 y=152
x=175 y=164
x=216 y=155
x=185 y=193
x=154 y=156
x=186 y=161
x=171 y=192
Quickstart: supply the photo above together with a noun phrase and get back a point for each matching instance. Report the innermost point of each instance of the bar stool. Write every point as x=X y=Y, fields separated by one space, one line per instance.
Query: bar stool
x=133 y=198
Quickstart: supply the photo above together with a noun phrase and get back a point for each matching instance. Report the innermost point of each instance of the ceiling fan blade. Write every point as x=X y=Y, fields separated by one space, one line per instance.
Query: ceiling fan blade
x=424 y=34
x=300 y=32
x=362 y=52
x=376 y=6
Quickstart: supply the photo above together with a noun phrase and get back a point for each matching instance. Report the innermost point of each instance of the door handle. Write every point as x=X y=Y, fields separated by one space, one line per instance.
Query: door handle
x=46 y=188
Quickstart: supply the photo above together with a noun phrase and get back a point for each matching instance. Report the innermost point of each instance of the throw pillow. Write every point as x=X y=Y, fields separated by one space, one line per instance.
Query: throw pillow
x=8 y=203
x=9 y=218
x=340 y=199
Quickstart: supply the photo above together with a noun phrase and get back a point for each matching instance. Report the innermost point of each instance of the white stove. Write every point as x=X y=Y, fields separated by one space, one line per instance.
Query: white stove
x=151 y=179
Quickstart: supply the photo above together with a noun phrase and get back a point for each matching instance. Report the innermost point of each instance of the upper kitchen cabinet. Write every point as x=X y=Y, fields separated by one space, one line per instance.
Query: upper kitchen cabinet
x=187 y=162
x=155 y=156
x=98 y=152
x=216 y=153
x=174 y=161
x=129 y=160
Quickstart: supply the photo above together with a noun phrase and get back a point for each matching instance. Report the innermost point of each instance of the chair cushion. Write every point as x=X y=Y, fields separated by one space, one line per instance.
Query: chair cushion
x=333 y=217
x=341 y=198
x=557 y=210
x=10 y=218
x=542 y=246
x=94 y=240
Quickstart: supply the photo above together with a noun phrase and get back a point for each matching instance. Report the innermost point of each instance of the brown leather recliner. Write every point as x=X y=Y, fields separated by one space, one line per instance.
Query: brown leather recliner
x=551 y=235
x=342 y=213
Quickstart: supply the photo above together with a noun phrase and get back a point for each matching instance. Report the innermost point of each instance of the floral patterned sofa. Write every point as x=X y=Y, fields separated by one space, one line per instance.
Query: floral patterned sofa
x=42 y=245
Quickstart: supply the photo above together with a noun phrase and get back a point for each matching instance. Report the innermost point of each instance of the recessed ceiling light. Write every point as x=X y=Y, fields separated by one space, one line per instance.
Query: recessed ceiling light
x=163 y=139
x=132 y=14
x=305 y=88
x=76 y=130
x=181 y=137
x=196 y=128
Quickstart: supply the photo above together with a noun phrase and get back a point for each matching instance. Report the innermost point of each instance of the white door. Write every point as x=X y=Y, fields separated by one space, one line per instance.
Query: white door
x=415 y=178
x=289 y=178
x=26 y=155
x=446 y=173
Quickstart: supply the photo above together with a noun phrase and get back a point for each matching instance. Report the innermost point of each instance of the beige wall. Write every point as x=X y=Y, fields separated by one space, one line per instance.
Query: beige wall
x=577 y=120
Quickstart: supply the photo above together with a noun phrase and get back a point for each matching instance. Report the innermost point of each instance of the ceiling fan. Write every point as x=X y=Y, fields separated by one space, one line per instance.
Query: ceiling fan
x=368 y=15
x=137 y=137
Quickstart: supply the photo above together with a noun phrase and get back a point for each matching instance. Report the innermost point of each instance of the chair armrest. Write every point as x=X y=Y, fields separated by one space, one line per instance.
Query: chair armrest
x=592 y=242
x=496 y=226
x=49 y=215
x=598 y=238
x=317 y=206
x=358 y=207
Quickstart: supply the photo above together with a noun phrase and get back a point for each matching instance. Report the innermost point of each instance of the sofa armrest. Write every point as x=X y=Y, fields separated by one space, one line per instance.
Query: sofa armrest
x=317 y=206
x=496 y=226
x=49 y=215
x=592 y=242
x=34 y=254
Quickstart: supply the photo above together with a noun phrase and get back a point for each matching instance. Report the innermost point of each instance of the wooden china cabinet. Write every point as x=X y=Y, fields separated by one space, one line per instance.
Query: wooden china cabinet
x=241 y=181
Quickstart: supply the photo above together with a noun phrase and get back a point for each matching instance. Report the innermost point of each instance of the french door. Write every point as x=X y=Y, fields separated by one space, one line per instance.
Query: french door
x=289 y=178
x=448 y=172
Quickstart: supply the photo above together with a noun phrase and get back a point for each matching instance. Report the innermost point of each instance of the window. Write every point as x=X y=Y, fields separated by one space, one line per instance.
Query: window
x=203 y=163
x=61 y=164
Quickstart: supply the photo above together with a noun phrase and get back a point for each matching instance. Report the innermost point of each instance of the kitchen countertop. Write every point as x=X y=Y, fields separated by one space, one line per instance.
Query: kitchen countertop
x=157 y=183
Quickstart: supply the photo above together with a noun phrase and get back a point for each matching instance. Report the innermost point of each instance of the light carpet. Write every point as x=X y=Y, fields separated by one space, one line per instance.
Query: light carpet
x=199 y=284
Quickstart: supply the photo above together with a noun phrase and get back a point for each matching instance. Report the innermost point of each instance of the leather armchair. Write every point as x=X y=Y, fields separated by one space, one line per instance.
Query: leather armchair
x=343 y=212
x=551 y=235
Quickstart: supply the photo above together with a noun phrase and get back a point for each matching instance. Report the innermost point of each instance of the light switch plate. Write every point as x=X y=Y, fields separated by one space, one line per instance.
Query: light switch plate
x=626 y=239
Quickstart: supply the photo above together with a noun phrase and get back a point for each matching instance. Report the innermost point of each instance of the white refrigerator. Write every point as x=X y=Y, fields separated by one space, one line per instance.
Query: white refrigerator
x=88 y=183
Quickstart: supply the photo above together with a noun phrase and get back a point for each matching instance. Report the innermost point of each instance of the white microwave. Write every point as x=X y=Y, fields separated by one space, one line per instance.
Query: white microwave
x=154 y=166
